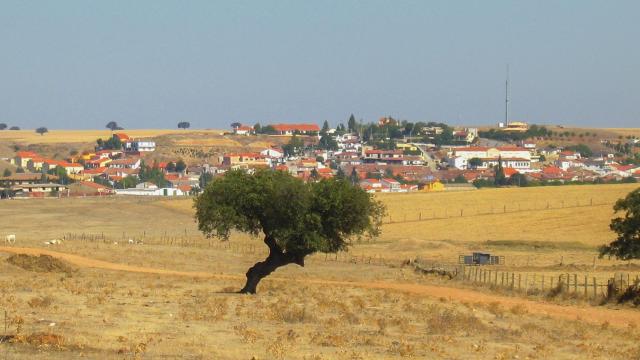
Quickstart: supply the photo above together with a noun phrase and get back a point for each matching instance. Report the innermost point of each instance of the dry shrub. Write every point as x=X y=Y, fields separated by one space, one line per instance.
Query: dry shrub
x=630 y=295
x=96 y=300
x=42 y=263
x=290 y=313
x=351 y=318
x=205 y=308
x=448 y=321
x=519 y=310
x=247 y=334
x=332 y=339
x=402 y=348
x=40 y=302
x=43 y=340
x=496 y=309
x=277 y=349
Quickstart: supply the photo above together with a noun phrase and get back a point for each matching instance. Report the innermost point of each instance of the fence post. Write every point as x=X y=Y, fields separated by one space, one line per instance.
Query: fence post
x=595 y=288
x=519 y=281
x=542 y=282
x=585 y=286
x=513 y=280
x=575 y=283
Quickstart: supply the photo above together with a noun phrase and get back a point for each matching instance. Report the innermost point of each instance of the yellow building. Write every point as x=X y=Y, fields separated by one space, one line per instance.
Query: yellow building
x=516 y=126
x=406 y=147
x=433 y=186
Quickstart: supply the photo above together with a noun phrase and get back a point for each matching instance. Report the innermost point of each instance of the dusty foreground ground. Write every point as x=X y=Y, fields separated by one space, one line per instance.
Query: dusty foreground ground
x=172 y=296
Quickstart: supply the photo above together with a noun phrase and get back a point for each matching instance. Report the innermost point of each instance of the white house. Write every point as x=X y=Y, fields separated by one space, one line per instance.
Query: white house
x=457 y=162
x=140 y=146
x=273 y=153
x=151 y=191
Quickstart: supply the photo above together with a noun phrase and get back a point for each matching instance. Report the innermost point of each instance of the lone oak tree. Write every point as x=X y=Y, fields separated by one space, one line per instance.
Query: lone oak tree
x=627 y=245
x=296 y=218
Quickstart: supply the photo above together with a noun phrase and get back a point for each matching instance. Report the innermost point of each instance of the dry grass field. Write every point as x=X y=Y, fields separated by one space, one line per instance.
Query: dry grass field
x=326 y=310
x=28 y=137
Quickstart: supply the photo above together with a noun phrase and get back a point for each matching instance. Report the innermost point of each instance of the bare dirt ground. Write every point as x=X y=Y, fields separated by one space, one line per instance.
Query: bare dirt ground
x=618 y=317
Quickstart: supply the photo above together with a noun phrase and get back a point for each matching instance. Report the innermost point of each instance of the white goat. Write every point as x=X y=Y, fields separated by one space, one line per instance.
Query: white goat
x=10 y=239
x=53 y=242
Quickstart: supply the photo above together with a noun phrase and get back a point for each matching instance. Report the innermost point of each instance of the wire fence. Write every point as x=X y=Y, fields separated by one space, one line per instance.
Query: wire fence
x=494 y=209
x=588 y=286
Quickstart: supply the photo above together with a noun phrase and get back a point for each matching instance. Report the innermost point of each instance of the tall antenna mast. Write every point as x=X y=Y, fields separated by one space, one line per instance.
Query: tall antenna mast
x=506 y=99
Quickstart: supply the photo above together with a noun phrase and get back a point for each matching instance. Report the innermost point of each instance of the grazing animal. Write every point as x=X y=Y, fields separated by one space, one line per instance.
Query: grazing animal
x=131 y=241
x=53 y=242
x=10 y=239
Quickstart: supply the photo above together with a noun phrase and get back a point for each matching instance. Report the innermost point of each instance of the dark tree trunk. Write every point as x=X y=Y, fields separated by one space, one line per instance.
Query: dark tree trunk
x=276 y=259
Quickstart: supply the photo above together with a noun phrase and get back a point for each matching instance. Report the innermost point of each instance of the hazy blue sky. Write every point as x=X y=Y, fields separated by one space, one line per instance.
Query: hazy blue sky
x=80 y=64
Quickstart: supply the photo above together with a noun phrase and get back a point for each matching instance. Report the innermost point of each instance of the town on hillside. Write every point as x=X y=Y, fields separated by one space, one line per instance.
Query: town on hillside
x=385 y=156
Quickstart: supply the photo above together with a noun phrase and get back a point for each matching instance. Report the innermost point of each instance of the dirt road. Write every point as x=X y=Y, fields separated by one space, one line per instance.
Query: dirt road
x=591 y=314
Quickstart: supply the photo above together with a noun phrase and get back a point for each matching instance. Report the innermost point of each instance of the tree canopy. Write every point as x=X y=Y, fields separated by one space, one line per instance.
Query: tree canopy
x=184 y=125
x=112 y=125
x=3 y=126
x=42 y=130
x=627 y=245
x=296 y=218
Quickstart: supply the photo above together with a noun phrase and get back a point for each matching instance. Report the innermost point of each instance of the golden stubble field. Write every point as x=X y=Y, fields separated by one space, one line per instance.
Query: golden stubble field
x=300 y=313
x=86 y=136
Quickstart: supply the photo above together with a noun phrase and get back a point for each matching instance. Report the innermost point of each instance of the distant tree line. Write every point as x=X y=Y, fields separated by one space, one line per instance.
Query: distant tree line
x=4 y=126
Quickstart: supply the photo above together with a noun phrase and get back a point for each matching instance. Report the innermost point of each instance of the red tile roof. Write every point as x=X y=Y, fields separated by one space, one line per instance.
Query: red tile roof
x=26 y=154
x=122 y=136
x=509 y=171
x=96 y=171
x=95 y=185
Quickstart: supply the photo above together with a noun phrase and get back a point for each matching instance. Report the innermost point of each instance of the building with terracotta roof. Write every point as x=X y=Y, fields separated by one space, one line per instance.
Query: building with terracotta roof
x=290 y=129
x=246 y=160
x=512 y=156
x=22 y=158
x=243 y=130
x=126 y=163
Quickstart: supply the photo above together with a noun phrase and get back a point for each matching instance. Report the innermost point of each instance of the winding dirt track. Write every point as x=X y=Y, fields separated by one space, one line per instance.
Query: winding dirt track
x=591 y=314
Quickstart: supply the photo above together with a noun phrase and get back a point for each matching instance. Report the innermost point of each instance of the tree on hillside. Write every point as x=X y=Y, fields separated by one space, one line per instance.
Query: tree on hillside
x=294 y=146
x=112 y=125
x=327 y=141
x=6 y=173
x=312 y=217
x=180 y=166
x=42 y=130
x=351 y=124
x=184 y=125
x=257 y=128
x=235 y=125
x=475 y=162
x=627 y=245
x=499 y=178
x=14 y=128
x=354 y=177
x=3 y=126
